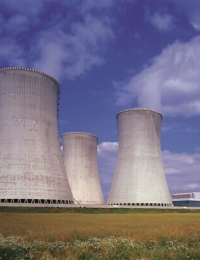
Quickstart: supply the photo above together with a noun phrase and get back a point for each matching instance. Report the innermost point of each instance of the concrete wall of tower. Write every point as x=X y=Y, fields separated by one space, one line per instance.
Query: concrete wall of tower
x=31 y=165
x=139 y=176
x=80 y=159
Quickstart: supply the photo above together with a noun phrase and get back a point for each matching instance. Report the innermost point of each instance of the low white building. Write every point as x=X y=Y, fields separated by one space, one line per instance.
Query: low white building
x=191 y=199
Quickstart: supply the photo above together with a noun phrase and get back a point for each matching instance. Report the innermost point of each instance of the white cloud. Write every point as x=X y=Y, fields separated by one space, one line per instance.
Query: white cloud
x=62 y=122
x=63 y=45
x=177 y=127
x=197 y=149
x=71 y=55
x=182 y=171
x=17 y=24
x=107 y=156
x=170 y=84
x=11 y=53
x=107 y=147
x=174 y=127
x=67 y=43
x=89 y=5
x=179 y=161
x=50 y=51
x=191 y=10
x=137 y=36
x=16 y=18
x=162 y=22
x=191 y=129
x=30 y=7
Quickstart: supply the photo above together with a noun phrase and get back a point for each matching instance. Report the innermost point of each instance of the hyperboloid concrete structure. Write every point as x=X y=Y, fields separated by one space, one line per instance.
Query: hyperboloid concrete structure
x=139 y=178
x=80 y=159
x=31 y=165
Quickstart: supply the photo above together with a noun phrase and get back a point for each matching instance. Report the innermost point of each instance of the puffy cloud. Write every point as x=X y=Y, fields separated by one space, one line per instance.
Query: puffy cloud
x=170 y=84
x=174 y=127
x=49 y=52
x=16 y=17
x=177 y=127
x=60 y=37
x=182 y=169
x=191 y=10
x=162 y=22
x=73 y=54
x=191 y=129
x=107 y=147
x=137 y=36
x=67 y=43
x=62 y=122
x=30 y=7
x=107 y=155
x=197 y=149
x=89 y=5
x=17 y=24
x=13 y=51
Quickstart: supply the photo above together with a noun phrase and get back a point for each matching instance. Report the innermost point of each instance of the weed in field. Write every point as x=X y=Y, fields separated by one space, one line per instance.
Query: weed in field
x=99 y=248
x=99 y=236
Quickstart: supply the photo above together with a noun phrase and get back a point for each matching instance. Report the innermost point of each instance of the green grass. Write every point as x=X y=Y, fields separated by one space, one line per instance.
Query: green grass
x=84 y=210
x=79 y=233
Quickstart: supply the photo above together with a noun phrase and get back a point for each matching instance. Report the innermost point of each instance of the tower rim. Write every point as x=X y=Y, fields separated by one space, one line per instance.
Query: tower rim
x=31 y=70
x=85 y=133
x=139 y=109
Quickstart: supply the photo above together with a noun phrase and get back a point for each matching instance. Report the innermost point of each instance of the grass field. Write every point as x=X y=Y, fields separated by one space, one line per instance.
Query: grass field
x=99 y=234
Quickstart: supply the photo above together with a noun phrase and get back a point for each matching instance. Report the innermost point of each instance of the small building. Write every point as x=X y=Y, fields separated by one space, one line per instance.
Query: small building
x=191 y=199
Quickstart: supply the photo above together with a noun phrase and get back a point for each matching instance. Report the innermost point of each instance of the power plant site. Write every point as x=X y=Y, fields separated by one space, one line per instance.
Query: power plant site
x=35 y=172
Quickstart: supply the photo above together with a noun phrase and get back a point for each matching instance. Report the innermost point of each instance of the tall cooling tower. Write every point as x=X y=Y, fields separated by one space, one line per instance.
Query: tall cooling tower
x=31 y=165
x=139 y=178
x=80 y=159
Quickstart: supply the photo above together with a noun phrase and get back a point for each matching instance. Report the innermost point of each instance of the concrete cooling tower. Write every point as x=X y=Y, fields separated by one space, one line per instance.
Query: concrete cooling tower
x=139 y=178
x=31 y=165
x=80 y=159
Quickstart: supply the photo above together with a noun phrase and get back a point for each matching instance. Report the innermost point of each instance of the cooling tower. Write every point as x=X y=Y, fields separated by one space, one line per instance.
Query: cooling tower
x=31 y=165
x=139 y=178
x=80 y=159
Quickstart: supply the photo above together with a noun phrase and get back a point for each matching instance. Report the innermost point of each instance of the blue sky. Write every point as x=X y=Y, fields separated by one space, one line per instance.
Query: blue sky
x=110 y=55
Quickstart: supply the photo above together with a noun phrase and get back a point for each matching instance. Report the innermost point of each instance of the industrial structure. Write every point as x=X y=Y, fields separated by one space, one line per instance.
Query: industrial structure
x=33 y=170
x=139 y=178
x=80 y=159
x=191 y=199
x=31 y=165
